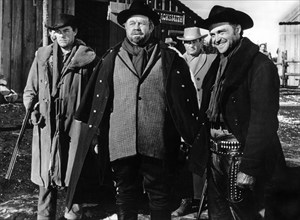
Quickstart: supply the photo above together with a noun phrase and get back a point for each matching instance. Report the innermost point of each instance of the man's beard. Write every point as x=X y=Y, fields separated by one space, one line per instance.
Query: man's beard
x=138 y=38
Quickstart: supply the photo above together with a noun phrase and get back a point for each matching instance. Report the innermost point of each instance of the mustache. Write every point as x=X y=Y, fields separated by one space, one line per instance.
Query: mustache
x=137 y=32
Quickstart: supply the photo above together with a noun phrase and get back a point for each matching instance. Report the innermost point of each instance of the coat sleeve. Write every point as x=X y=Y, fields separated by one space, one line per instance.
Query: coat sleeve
x=263 y=123
x=31 y=88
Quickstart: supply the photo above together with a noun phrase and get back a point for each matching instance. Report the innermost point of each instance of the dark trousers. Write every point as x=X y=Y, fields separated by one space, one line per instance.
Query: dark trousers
x=198 y=184
x=134 y=174
x=47 y=203
x=219 y=207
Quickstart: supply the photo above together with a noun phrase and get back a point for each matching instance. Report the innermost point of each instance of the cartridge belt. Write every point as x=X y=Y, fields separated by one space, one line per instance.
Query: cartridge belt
x=231 y=148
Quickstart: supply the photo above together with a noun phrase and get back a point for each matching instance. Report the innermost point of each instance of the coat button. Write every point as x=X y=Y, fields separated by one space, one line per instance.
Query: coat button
x=188 y=100
x=182 y=86
x=198 y=78
x=178 y=72
x=139 y=98
x=97 y=95
x=100 y=80
x=90 y=126
x=95 y=111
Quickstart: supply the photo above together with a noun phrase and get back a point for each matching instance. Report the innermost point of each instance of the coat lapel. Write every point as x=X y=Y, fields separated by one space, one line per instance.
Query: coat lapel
x=200 y=61
x=239 y=64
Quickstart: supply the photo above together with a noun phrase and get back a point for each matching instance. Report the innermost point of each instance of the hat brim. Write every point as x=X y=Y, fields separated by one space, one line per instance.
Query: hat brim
x=236 y=17
x=191 y=38
x=124 y=15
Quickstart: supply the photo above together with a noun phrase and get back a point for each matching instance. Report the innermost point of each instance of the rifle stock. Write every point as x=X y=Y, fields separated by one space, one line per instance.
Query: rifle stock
x=16 y=149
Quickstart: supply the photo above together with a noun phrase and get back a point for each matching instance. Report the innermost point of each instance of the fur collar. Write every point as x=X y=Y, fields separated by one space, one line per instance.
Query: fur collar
x=83 y=56
x=239 y=64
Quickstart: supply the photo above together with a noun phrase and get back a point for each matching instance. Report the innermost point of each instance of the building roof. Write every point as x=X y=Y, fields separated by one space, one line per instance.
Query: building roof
x=292 y=18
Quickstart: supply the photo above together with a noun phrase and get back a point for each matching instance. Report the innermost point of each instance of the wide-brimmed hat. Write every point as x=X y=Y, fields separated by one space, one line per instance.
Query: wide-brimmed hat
x=63 y=20
x=138 y=7
x=191 y=33
x=169 y=40
x=220 y=14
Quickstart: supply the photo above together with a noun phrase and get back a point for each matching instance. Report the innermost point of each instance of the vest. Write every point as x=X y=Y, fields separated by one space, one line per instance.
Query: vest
x=138 y=117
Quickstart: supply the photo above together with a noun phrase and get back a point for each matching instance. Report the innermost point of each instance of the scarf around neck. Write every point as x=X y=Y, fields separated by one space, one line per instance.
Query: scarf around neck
x=213 y=111
x=139 y=55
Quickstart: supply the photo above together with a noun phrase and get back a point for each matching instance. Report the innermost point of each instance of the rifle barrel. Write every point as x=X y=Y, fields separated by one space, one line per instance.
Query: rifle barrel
x=16 y=149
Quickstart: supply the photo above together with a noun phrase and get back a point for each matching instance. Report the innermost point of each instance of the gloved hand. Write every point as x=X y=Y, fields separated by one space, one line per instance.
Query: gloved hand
x=245 y=181
x=35 y=117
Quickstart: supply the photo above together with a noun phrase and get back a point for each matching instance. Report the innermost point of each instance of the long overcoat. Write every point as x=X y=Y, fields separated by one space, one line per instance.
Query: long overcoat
x=73 y=80
x=96 y=106
x=249 y=104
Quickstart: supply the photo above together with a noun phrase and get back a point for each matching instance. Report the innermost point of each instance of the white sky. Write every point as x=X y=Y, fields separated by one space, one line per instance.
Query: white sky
x=266 y=15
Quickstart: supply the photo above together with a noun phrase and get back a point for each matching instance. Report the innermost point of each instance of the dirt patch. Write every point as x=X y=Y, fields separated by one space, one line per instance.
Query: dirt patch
x=18 y=197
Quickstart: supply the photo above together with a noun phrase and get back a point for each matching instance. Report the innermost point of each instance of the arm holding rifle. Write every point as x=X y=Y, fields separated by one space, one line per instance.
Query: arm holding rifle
x=30 y=95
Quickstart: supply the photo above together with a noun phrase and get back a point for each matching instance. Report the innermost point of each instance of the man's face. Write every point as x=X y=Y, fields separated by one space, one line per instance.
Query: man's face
x=138 y=29
x=224 y=36
x=65 y=36
x=193 y=47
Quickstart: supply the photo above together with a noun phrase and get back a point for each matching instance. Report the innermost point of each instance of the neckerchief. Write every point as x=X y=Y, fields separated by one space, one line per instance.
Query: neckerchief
x=213 y=109
x=60 y=63
x=139 y=54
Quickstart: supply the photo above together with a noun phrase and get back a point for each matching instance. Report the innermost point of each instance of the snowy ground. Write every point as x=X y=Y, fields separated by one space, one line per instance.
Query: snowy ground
x=18 y=197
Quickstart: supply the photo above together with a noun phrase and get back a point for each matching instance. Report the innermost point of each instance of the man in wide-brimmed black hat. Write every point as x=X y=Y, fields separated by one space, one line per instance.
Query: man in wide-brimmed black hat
x=55 y=83
x=141 y=100
x=239 y=115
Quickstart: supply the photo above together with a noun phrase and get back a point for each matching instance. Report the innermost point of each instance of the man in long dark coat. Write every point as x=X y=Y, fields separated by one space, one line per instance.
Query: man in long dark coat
x=55 y=84
x=140 y=101
x=239 y=115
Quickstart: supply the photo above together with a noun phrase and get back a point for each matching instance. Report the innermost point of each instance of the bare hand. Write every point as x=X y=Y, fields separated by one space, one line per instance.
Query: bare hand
x=245 y=181
x=96 y=149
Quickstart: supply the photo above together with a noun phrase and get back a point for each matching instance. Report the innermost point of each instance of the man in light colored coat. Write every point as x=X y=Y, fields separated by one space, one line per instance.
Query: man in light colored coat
x=199 y=62
x=54 y=87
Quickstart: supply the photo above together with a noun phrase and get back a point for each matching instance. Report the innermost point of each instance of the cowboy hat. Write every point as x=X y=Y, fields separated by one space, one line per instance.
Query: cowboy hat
x=191 y=33
x=138 y=7
x=63 y=20
x=220 y=14
x=169 y=40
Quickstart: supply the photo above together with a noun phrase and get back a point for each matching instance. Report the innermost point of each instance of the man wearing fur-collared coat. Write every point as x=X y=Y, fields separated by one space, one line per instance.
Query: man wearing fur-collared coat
x=57 y=78
x=239 y=142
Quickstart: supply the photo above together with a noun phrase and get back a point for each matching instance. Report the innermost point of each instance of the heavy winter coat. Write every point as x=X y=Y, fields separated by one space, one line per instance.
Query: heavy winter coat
x=249 y=104
x=72 y=80
x=94 y=112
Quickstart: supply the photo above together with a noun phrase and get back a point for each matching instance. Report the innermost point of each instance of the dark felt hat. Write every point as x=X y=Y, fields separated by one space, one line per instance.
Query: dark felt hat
x=138 y=7
x=223 y=14
x=63 y=20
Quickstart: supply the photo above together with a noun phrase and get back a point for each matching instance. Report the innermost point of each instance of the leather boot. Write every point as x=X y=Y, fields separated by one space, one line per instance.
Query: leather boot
x=160 y=215
x=126 y=213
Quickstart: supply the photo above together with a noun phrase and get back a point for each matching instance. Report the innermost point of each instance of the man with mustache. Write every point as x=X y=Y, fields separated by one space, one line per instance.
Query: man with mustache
x=139 y=103
x=240 y=102
x=55 y=83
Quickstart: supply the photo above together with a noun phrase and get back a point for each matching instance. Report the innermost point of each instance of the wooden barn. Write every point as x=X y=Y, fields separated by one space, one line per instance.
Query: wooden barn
x=22 y=28
x=289 y=46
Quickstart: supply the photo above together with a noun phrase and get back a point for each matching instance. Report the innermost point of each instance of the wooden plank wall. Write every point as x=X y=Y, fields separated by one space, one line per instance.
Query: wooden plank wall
x=21 y=34
x=1 y=13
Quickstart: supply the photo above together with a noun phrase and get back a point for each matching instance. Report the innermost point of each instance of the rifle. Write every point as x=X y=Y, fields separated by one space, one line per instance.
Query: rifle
x=16 y=149
x=203 y=195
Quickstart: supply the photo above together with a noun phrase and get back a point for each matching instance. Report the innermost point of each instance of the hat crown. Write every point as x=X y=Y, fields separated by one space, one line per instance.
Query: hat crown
x=63 y=20
x=139 y=5
x=220 y=14
x=217 y=9
x=191 y=33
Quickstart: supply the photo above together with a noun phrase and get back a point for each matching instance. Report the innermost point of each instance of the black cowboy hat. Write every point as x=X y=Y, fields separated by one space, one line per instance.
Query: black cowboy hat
x=138 y=7
x=63 y=20
x=222 y=14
